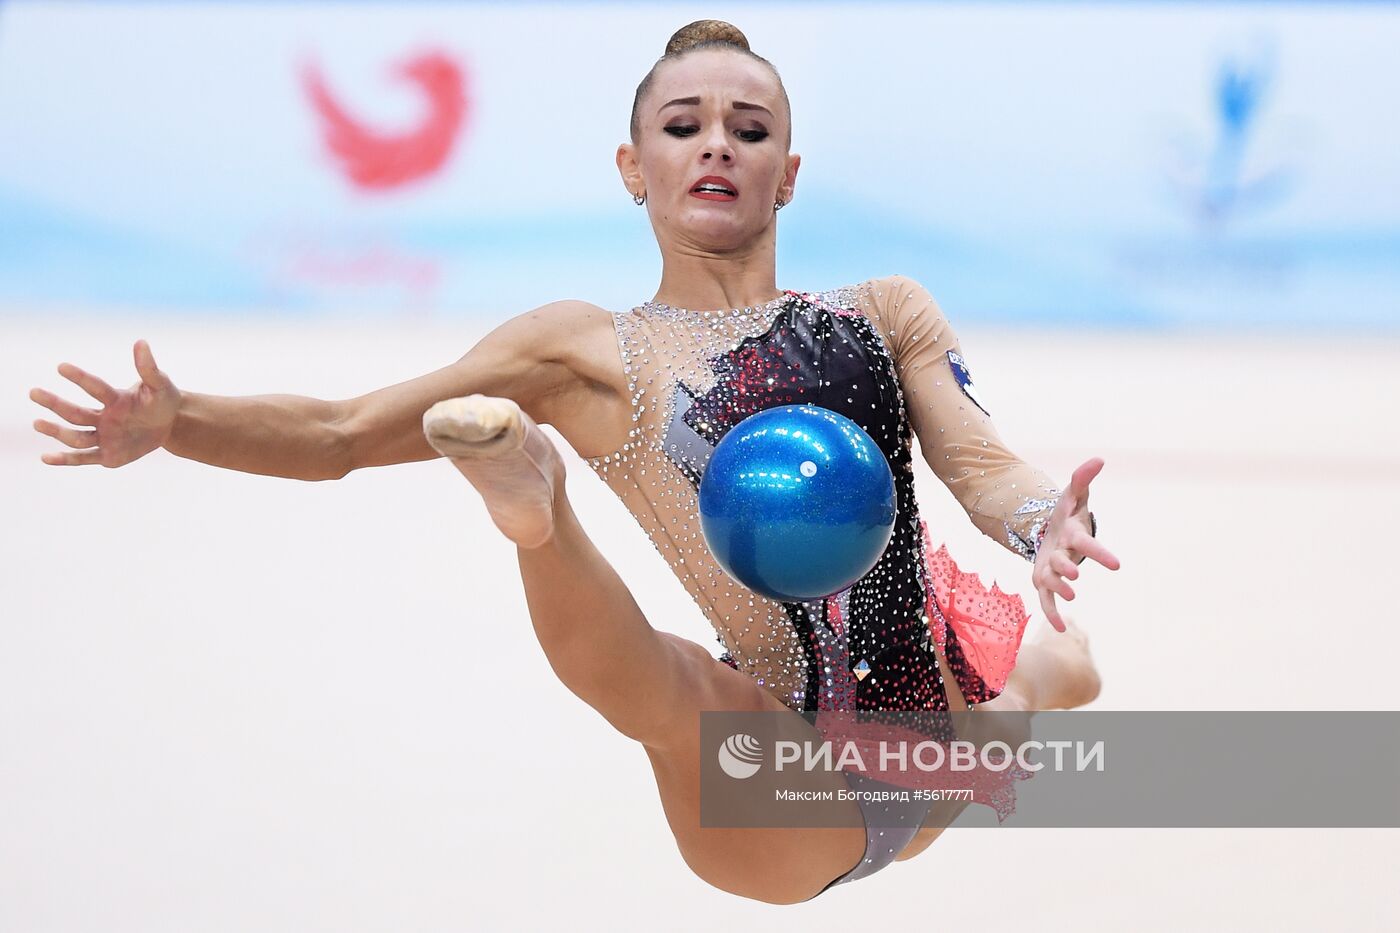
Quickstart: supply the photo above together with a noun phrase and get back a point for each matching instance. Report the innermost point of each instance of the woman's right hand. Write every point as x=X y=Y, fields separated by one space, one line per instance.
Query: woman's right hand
x=131 y=423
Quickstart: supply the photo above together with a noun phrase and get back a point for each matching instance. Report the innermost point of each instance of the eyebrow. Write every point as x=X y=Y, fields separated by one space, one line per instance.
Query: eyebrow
x=738 y=104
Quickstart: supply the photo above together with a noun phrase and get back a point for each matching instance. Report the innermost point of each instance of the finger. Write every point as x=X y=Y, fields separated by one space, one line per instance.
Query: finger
x=1057 y=585
x=1091 y=547
x=1079 y=482
x=1061 y=564
x=88 y=383
x=146 y=366
x=1047 y=605
x=78 y=439
x=76 y=458
x=73 y=414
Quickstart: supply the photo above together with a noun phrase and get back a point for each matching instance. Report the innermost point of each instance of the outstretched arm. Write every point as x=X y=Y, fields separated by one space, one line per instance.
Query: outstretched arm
x=526 y=359
x=1009 y=500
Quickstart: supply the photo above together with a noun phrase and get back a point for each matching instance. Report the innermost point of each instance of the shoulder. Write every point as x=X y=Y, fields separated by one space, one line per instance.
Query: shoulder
x=876 y=294
x=901 y=298
x=581 y=336
x=902 y=310
x=883 y=299
x=563 y=361
x=894 y=289
x=559 y=346
x=554 y=332
x=560 y=318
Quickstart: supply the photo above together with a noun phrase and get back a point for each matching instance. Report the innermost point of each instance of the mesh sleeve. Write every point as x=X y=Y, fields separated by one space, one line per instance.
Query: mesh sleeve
x=1006 y=498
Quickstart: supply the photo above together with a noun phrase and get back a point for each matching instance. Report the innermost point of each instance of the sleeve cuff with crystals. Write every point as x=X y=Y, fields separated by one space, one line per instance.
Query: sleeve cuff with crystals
x=1029 y=545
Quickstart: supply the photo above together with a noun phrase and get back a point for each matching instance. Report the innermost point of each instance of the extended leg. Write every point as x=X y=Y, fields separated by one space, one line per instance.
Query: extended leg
x=649 y=685
x=592 y=630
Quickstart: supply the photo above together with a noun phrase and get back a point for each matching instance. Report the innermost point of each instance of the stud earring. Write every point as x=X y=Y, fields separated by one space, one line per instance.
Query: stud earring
x=779 y=205
x=639 y=199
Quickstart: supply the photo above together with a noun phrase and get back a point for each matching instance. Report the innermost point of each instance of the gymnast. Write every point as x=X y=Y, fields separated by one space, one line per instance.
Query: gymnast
x=643 y=396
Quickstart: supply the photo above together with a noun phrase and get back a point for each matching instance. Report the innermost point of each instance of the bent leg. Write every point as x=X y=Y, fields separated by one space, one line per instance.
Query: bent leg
x=1053 y=671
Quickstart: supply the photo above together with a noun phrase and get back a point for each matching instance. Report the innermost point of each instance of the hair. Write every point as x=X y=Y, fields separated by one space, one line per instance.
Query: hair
x=705 y=34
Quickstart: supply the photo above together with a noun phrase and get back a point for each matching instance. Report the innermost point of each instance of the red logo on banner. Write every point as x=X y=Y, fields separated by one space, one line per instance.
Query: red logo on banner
x=377 y=161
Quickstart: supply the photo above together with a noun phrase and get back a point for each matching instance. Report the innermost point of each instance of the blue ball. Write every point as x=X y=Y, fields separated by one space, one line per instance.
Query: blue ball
x=797 y=502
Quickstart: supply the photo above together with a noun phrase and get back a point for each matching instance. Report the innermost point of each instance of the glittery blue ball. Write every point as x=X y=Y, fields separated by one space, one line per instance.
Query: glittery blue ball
x=797 y=502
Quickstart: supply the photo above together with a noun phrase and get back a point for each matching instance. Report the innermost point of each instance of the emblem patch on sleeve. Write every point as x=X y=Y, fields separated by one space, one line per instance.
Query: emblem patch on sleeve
x=959 y=367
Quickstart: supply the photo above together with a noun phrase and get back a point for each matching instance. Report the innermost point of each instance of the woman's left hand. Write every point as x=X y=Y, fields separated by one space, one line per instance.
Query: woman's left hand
x=1067 y=540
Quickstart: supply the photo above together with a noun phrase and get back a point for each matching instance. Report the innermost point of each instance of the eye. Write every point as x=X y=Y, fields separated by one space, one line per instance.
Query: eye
x=752 y=136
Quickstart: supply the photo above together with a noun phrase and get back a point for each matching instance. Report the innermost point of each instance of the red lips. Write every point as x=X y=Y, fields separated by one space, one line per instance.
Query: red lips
x=719 y=180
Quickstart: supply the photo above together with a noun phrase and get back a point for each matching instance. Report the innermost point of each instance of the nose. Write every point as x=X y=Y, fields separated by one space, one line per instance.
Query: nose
x=718 y=144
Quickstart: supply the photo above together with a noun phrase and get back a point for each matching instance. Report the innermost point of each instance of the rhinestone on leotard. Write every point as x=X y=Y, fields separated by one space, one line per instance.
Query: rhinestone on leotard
x=693 y=375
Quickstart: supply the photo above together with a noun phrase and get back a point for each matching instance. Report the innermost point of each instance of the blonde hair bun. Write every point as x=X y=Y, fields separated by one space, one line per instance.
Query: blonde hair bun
x=706 y=30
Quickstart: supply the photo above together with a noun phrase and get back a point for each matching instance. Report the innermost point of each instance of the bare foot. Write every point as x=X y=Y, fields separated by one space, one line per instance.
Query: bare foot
x=504 y=454
x=1075 y=680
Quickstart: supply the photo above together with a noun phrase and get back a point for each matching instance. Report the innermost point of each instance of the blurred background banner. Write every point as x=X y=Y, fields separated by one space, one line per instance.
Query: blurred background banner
x=1190 y=165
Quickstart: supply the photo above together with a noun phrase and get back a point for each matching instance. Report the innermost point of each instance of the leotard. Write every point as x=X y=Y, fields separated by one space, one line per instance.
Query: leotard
x=883 y=354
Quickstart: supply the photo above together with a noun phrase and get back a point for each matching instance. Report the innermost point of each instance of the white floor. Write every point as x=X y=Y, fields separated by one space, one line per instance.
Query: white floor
x=231 y=702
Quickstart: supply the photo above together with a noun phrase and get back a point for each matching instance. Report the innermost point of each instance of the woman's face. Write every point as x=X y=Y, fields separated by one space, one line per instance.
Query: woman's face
x=730 y=124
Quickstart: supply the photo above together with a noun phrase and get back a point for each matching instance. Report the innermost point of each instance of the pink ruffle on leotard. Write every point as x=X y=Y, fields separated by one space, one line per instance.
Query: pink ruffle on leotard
x=987 y=625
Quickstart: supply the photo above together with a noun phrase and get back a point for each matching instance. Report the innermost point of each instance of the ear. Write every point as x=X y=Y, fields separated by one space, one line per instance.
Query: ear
x=629 y=169
x=789 y=182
